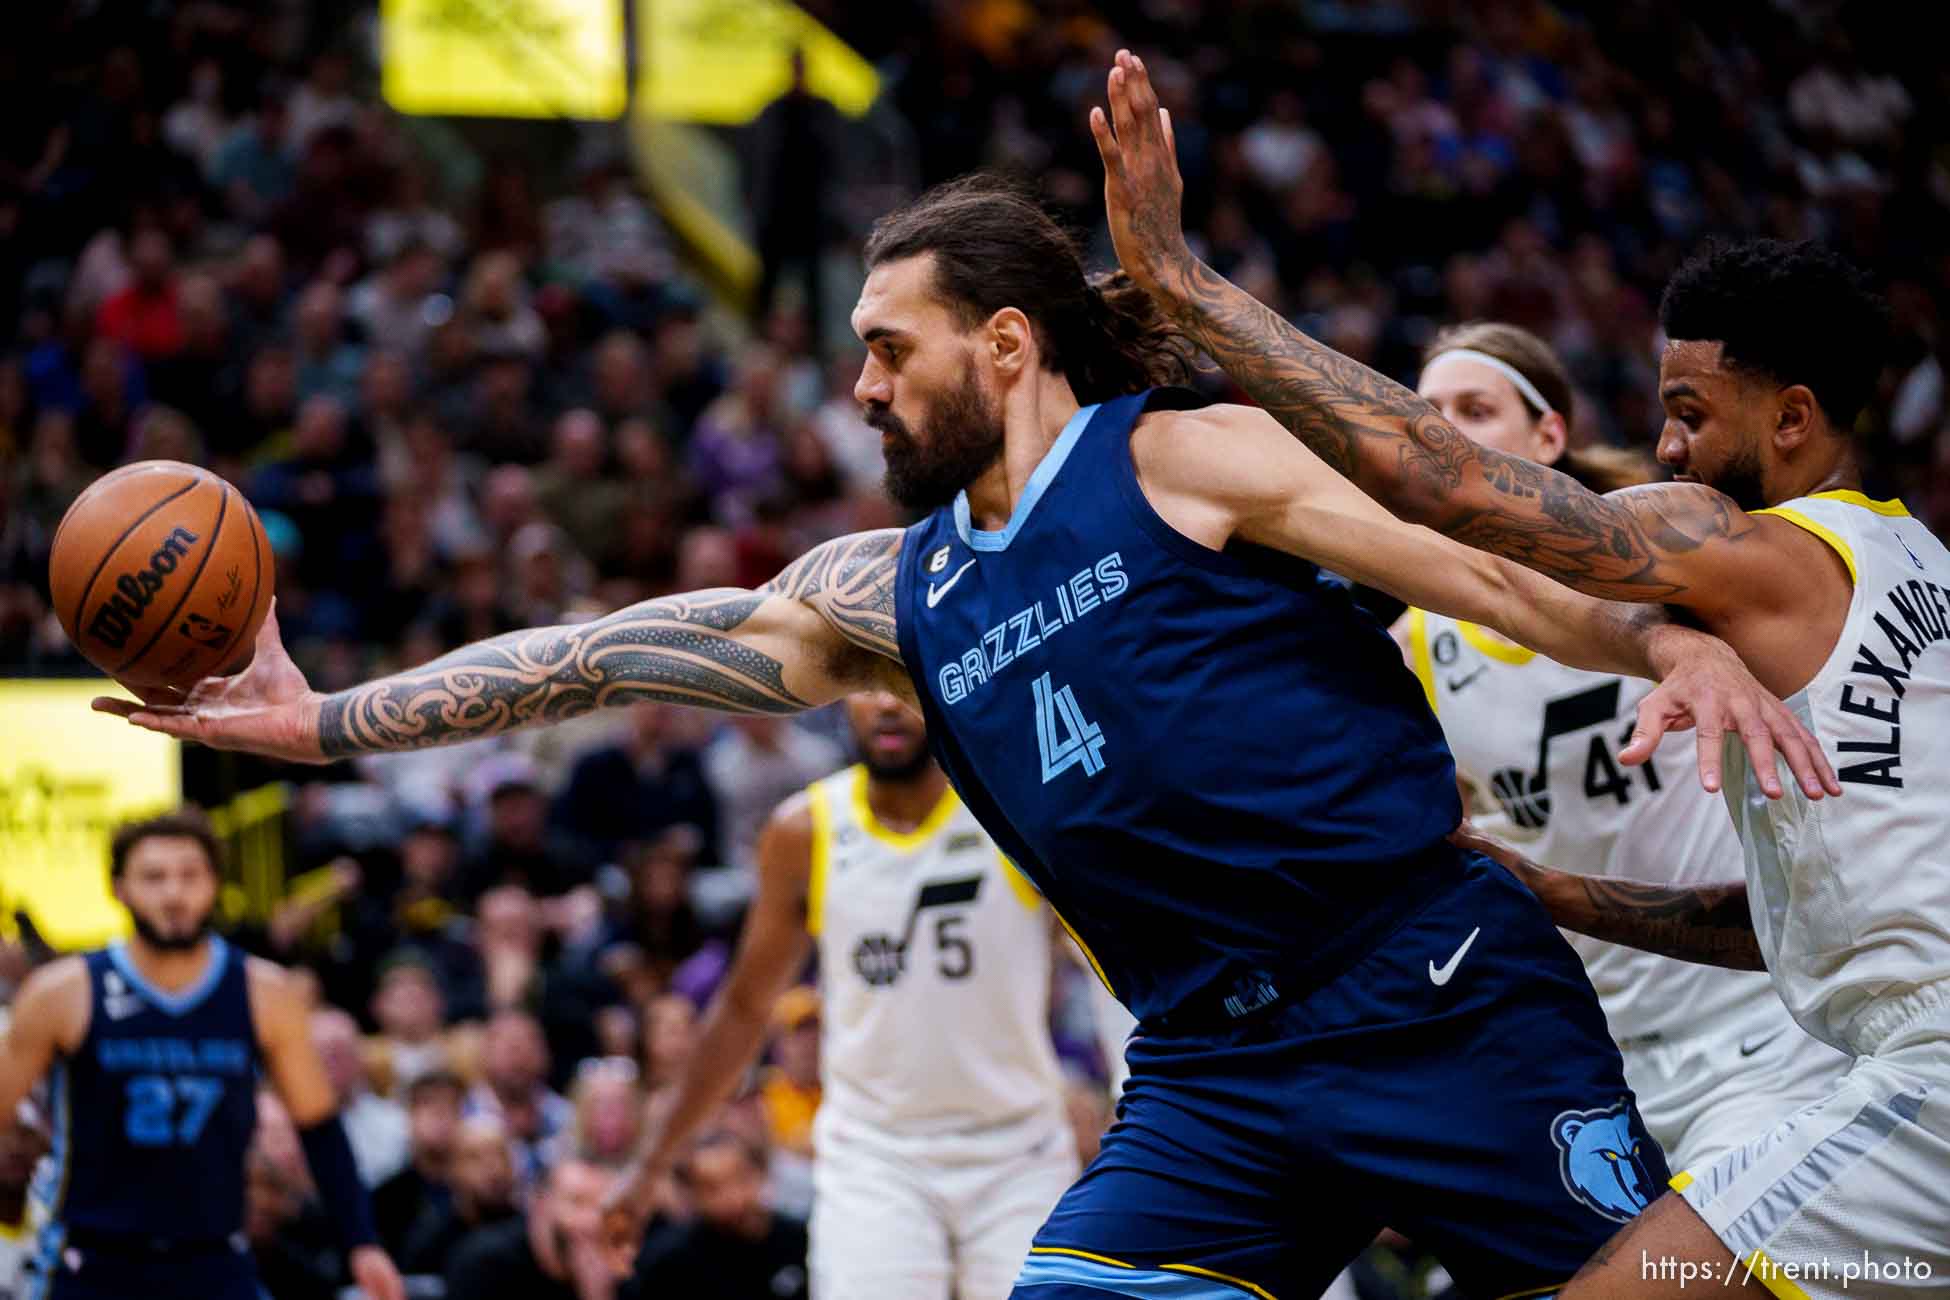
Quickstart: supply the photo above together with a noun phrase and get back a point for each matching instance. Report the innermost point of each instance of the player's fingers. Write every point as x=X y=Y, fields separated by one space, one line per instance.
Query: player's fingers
x=1646 y=735
x=1708 y=741
x=1106 y=143
x=1171 y=137
x=1120 y=107
x=1759 y=740
x=1144 y=97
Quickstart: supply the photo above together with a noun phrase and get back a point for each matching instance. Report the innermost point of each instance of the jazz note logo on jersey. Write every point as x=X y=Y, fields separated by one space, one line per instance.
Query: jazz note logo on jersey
x=881 y=959
x=1526 y=796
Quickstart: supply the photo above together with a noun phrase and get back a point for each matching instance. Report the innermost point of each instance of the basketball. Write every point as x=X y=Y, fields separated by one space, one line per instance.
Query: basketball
x=161 y=574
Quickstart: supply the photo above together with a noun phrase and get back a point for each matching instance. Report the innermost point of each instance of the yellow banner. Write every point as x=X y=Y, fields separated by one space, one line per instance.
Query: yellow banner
x=723 y=61
x=503 y=58
x=68 y=777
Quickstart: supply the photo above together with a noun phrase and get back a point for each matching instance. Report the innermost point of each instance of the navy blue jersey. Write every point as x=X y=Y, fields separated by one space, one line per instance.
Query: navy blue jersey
x=154 y=1112
x=1213 y=764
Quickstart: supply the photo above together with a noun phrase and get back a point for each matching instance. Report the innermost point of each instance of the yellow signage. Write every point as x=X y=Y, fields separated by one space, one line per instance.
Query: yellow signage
x=503 y=58
x=723 y=61
x=68 y=777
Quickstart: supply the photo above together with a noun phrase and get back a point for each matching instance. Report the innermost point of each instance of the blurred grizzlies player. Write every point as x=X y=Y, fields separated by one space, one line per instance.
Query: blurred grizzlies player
x=154 y=1046
x=1214 y=768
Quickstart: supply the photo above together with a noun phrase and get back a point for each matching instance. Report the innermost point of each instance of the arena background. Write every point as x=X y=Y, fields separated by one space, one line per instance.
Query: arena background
x=505 y=312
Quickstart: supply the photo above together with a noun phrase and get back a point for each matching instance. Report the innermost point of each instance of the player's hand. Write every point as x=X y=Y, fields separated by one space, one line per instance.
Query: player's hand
x=374 y=1274
x=267 y=709
x=626 y=1212
x=1142 y=188
x=1709 y=689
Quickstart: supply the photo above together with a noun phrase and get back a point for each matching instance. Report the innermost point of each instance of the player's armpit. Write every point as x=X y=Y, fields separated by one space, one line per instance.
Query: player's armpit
x=49 y=1017
x=283 y=1026
x=1708 y=924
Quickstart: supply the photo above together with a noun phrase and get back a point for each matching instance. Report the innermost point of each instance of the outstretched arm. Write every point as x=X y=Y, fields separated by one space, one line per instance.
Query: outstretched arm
x=1229 y=472
x=1708 y=924
x=823 y=627
x=771 y=949
x=1680 y=543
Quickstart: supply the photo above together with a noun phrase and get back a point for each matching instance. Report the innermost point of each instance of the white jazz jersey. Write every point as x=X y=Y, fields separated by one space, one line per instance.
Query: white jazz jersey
x=1851 y=896
x=934 y=959
x=1539 y=742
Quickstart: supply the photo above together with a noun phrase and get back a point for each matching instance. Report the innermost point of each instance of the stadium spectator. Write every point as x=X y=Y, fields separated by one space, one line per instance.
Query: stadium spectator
x=482 y=1187
x=433 y=1103
x=553 y=1252
x=737 y=1247
x=514 y=1089
x=375 y=1126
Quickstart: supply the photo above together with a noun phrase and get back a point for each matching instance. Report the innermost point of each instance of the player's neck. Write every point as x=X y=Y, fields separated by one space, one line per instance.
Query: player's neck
x=903 y=805
x=170 y=969
x=1840 y=473
x=1033 y=416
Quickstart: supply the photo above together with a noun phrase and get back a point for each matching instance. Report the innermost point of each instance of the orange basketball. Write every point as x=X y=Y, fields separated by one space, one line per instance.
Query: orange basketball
x=161 y=574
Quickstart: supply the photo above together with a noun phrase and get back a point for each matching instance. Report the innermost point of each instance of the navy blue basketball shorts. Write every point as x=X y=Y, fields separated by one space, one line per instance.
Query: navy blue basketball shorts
x=68 y=1272
x=1457 y=1084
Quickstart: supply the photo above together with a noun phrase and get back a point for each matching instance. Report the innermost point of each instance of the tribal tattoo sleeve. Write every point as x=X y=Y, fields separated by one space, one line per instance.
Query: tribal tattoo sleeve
x=725 y=649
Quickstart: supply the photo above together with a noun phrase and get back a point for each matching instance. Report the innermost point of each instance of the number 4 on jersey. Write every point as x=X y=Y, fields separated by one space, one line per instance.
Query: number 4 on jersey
x=1082 y=740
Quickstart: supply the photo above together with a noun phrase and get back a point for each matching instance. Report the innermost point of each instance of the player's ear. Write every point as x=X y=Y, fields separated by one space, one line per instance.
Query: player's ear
x=1009 y=340
x=1797 y=417
x=1552 y=435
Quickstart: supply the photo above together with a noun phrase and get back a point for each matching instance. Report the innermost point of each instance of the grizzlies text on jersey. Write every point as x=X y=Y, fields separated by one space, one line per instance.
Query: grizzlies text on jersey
x=1159 y=734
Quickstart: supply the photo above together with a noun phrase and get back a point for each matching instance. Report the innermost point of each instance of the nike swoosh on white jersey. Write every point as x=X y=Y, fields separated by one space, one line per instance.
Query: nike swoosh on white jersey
x=1439 y=975
x=936 y=593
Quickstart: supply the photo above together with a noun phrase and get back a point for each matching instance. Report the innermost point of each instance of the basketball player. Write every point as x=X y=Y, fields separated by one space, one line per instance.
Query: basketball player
x=941 y=1143
x=1209 y=762
x=1711 y=1054
x=1835 y=600
x=154 y=1047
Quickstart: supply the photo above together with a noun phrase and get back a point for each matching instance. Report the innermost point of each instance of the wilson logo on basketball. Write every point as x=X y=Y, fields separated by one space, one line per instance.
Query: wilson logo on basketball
x=115 y=618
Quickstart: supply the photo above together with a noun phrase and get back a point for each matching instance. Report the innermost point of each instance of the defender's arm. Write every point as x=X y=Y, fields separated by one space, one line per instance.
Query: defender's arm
x=771 y=949
x=1678 y=543
x=1229 y=472
x=1708 y=924
x=821 y=629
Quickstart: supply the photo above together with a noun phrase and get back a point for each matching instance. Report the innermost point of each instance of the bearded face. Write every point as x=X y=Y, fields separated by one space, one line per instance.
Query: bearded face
x=960 y=438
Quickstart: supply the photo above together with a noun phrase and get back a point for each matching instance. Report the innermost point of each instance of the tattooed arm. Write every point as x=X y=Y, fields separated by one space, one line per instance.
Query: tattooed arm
x=820 y=630
x=1708 y=924
x=1678 y=543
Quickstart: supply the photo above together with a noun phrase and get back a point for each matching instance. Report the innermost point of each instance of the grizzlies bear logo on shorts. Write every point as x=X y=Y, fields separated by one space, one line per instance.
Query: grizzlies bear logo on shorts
x=1598 y=1158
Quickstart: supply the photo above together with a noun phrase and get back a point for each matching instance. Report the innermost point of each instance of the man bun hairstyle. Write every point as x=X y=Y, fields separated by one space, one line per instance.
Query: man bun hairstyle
x=995 y=246
x=1795 y=313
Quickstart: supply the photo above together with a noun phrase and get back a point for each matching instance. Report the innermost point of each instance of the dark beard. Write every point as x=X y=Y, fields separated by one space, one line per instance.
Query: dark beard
x=963 y=439
x=898 y=772
x=1740 y=479
x=172 y=943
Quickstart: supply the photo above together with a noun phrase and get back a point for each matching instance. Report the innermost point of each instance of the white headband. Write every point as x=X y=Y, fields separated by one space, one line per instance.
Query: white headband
x=1516 y=377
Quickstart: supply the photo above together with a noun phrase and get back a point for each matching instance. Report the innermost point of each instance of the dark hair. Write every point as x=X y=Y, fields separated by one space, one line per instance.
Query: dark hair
x=994 y=246
x=1796 y=313
x=185 y=823
x=755 y=1154
x=441 y=1080
x=1600 y=469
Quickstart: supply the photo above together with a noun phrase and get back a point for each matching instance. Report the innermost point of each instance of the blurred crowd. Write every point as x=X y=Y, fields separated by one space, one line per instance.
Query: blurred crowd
x=470 y=387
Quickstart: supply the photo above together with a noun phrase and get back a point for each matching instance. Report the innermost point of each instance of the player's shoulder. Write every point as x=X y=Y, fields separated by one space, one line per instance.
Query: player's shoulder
x=54 y=999
x=1221 y=450
x=794 y=814
x=277 y=999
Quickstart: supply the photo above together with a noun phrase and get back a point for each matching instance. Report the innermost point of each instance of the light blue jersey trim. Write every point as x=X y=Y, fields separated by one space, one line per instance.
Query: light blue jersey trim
x=1039 y=482
x=1068 y=1270
x=176 y=1004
